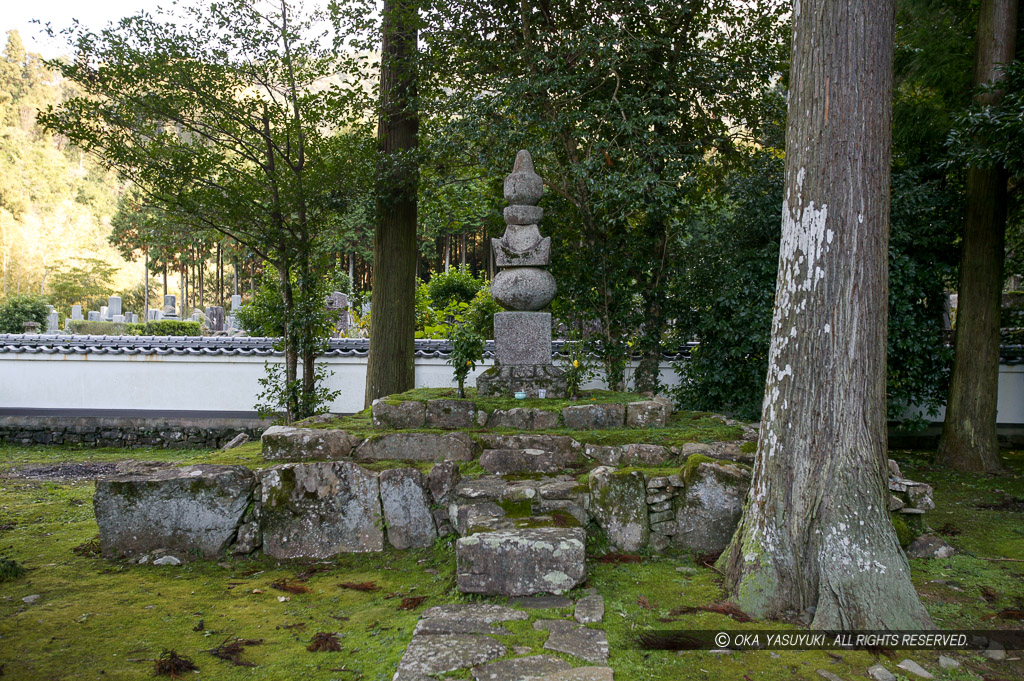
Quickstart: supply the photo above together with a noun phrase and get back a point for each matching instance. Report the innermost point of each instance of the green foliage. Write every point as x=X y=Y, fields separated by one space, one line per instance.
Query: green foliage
x=165 y=327
x=602 y=108
x=481 y=311
x=457 y=285
x=17 y=309
x=467 y=349
x=87 y=327
x=88 y=283
x=577 y=365
x=992 y=134
x=277 y=392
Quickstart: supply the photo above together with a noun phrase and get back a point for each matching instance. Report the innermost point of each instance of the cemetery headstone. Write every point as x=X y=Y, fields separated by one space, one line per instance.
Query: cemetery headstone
x=215 y=318
x=76 y=312
x=94 y=316
x=52 y=320
x=236 y=302
x=522 y=335
x=113 y=307
x=170 y=308
x=118 y=319
x=337 y=309
x=104 y=316
x=153 y=316
x=30 y=327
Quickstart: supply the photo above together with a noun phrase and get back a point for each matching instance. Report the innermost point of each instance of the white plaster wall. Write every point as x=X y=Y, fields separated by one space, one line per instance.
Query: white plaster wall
x=225 y=383
x=186 y=383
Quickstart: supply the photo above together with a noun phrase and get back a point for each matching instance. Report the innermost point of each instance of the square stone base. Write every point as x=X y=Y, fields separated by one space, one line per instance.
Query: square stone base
x=505 y=381
x=522 y=338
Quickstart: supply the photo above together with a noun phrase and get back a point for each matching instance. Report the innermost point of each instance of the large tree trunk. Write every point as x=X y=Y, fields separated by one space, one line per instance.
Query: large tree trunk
x=969 y=441
x=815 y=531
x=393 y=318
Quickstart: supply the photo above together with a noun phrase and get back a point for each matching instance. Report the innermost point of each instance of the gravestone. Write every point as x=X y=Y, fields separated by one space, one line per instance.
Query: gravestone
x=215 y=318
x=170 y=308
x=337 y=310
x=52 y=320
x=153 y=316
x=76 y=312
x=522 y=335
x=118 y=319
x=236 y=302
x=30 y=327
x=104 y=316
x=113 y=307
x=94 y=316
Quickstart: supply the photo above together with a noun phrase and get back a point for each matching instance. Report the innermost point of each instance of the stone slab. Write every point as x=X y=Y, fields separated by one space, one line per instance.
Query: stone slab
x=521 y=668
x=405 y=501
x=541 y=602
x=589 y=609
x=575 y=639
x=429 y=655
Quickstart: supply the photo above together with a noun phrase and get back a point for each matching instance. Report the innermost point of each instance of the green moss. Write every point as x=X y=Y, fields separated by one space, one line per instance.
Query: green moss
x=519 y=508
x=389 y=464
x=749 y=447
x=692 y=463
x=903 y=531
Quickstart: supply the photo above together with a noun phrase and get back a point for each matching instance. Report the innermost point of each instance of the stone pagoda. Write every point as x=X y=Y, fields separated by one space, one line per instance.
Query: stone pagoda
x=522 y=336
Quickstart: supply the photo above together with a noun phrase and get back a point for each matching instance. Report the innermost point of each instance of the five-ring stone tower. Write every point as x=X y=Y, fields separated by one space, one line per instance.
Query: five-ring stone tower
x=522 y=336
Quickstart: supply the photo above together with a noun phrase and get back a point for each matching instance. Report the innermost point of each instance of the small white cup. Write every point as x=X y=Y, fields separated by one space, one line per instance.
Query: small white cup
x=542 y=393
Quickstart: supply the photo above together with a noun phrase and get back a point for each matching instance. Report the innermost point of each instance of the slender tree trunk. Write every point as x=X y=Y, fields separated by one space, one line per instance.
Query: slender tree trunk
x=165 y=280
x=462 y=252
x=145 y=289
x=393 y=322
x=969 y=441
x=815 y=530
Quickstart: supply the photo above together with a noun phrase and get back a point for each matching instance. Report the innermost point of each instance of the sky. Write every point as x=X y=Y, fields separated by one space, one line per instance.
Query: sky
x=95 y=14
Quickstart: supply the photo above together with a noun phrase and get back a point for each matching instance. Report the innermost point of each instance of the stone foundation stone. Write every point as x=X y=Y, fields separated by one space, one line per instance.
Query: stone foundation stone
x=288 y=443
x=318 y=510
x=406 y=504
x=189 y=511
x=711 y=506
x=505 y=381
x=417 y=447
x=618 y=502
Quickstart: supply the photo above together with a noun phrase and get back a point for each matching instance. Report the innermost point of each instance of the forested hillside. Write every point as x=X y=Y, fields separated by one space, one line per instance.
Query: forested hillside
x=55 y=201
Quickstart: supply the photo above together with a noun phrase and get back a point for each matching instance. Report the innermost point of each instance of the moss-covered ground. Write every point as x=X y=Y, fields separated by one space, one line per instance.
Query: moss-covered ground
x=96 y=619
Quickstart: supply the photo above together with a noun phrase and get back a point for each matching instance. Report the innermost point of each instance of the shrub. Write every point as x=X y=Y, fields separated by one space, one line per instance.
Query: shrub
x=165 y=327
x=457 y=285
x=18 y=309
x=467 y=350
x=480 y=314
x=90 y=327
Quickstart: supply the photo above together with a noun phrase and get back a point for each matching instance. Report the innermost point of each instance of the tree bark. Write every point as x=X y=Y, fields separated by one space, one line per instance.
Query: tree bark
x=969 y=441
x=815 y=530
x=393 y=318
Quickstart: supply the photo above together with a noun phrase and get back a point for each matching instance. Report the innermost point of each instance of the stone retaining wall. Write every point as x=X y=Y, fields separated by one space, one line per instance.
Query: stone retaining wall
x=166 y=433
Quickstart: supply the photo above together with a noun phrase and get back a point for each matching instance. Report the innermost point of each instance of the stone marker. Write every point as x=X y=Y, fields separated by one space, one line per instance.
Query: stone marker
x=170 y=308
x=337 y=310
x=193 y=510
x=76 y=312
x=153 y=315
x=113 y=307
x=94 y=316
x=52 y=321
x=104 y=313
x=215 y=318
x=118 y=319
x=317 y=510
x=236 y=303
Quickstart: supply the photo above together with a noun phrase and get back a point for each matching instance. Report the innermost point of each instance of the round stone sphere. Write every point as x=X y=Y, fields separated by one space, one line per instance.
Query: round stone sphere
x=523 y=289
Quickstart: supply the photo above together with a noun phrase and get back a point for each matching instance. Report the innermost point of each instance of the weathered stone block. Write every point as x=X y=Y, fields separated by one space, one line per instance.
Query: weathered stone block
x=523 y=419
x=318 y=510
x=194 y=510
x=406 y=505
x=594 y=416
x=644 y=455
x=417 y=447
x=646 y=414
x=450 y=414
x=520 y=562
x=618 y=502
x=499 y=381
x=288 y=443
x=522 y=338
x=711 y=506
x=409 y=414
x=468 y=516
x=505 y=461
x=562 y=444
x=604 y=454
x=442 y=480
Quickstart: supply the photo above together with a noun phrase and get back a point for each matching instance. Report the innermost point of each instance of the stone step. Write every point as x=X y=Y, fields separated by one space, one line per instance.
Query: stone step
x=521 y=561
